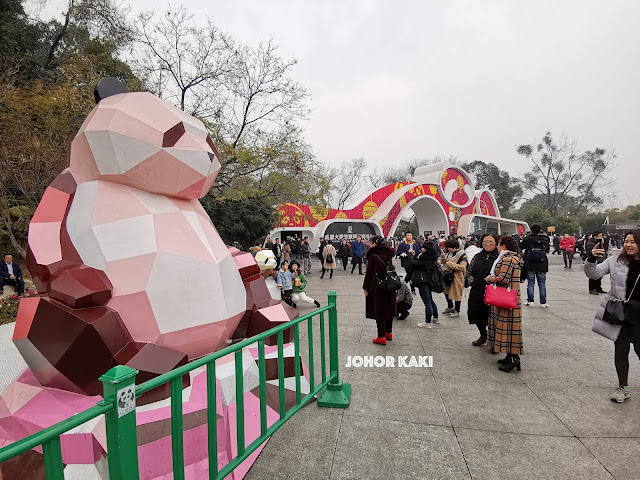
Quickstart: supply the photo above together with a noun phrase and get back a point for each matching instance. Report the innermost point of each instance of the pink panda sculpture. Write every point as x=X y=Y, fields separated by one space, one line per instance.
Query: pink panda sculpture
x=131 y=268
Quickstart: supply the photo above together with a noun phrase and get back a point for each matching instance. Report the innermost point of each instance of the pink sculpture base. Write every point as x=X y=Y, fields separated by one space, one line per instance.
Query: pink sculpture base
x=27 y=407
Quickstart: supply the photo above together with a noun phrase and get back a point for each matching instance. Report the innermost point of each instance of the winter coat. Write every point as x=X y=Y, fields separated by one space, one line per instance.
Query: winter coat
x=505 y=325
x=567 y=242
x=458 y=264
x=527 y=243
x=303 y=283
x=276 y=248
x=618 y=273
x=285 y=278
x=358 y=249
x=471 y=251
x=305 y=249
x=424 y=261
x=379 y=304
x=286 y=252
x=405 y=247
x=344 y=250
x=479 y=269
x=404 y=293
x=329 y=249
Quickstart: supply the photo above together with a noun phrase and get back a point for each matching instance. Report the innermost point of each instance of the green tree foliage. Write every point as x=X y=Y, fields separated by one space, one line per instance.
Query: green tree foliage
x=570 y=181
x=505 y=188
x=41 y=109
x=244 y=221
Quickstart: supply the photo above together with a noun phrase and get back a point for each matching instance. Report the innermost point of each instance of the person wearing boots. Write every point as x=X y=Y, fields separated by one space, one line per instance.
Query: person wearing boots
x=329 y=260
x=480 y=267
x=404 y=300
x=455 y=262
x=380 y=304
x=504 y=333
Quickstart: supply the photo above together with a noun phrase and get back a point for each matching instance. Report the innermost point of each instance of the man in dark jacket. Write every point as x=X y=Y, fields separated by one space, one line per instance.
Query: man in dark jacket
x=323 y=243
x=277 y=252
x=358 y=248
x=595 y=286
x=556 y=245
x=305 y=250
x=11 y=274
x=535 y=248
x=407 y=249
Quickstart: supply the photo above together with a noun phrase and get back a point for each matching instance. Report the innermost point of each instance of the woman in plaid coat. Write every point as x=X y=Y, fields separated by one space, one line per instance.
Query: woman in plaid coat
x=505 y=326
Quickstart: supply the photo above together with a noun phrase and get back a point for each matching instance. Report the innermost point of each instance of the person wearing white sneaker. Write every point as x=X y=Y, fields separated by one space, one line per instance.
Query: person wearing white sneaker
x=422 y=267
x=624 y=272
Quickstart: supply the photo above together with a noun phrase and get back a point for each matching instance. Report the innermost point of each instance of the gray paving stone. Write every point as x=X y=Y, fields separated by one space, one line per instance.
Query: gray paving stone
x=494 y=455
x=311 y=456
x=588 y=412
x=498 y=407
x=402 y=397
x=618 y=455
x=371 y=449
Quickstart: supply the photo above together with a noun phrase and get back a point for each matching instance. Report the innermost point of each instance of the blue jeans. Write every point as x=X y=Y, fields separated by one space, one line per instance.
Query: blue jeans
x=430 y=308
x=542 y=285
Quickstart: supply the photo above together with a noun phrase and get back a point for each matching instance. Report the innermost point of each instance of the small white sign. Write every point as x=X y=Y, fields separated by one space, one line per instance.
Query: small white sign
x=126 y=400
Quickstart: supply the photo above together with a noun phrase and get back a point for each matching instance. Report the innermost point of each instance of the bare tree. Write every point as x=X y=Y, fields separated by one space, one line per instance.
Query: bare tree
x=245 y=95
x=561 y=175
x=182 y=62
x=346 y=182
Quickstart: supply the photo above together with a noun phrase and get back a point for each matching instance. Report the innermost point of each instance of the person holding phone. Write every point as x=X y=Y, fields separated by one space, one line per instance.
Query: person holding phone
x=596 y=242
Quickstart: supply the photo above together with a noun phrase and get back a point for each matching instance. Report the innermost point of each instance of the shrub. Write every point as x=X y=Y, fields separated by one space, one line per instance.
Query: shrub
x=9 y=307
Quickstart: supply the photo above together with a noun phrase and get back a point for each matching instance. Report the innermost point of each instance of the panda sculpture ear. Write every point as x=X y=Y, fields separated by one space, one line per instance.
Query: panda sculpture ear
x=107 y=87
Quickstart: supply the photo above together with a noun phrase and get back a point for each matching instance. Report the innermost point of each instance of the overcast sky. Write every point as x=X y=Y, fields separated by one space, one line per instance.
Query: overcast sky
x=392 y=81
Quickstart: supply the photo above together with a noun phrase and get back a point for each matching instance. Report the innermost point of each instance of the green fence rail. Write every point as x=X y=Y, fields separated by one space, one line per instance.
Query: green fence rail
x=118 y=405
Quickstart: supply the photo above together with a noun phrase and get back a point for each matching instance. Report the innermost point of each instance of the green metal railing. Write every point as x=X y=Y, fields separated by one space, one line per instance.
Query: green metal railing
x=120 y=417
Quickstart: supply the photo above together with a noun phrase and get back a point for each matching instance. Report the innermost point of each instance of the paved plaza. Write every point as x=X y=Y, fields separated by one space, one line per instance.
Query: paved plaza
x=464 y=418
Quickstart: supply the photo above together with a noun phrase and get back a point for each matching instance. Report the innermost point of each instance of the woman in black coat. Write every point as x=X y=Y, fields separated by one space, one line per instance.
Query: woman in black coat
x=478 y=311
x=380 y=304
x=344 y=252
x=421 y=273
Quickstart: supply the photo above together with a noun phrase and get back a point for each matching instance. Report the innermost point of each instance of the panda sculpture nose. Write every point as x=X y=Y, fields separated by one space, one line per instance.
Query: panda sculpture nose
x=212 y=157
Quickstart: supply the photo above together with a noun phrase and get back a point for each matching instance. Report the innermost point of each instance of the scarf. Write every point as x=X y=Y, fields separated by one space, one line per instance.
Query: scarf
x=493 y=268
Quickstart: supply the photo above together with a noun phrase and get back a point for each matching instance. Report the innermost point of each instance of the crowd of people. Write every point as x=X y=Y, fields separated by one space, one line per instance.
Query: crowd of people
x=492 y=268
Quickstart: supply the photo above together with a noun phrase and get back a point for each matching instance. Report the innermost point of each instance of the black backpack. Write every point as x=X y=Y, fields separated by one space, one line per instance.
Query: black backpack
x=536 y=253
x=436 y=282
x=329 y=258
x=391 y=281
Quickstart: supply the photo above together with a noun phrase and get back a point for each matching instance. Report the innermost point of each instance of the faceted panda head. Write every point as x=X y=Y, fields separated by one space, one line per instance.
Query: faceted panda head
x=137 y=139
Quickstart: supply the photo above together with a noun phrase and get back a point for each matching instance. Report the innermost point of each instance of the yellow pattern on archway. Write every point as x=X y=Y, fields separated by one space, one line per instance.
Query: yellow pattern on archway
x=341 y=214
x=369 y=209
x=319 y=213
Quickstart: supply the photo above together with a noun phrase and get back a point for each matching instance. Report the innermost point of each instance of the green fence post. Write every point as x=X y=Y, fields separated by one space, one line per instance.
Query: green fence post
x=337 y=394
x=119 y=385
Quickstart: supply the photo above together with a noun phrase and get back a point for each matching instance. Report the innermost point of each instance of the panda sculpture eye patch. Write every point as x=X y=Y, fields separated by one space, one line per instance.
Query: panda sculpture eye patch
x=172 y=135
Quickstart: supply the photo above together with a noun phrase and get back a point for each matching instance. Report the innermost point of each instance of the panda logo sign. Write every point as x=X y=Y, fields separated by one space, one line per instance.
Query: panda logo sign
x=126 y=400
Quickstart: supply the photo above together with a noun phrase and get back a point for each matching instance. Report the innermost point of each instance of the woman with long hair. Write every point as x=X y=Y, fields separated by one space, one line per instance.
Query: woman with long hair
x=478 y=311
x=624 y=271
x=505 y=325
x=380 y=304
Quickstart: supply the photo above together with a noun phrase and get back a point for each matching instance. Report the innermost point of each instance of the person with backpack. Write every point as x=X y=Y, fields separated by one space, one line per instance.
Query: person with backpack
x=380 y=302
x=536 y=247
x=427 y=278
x=479 y=268
x=329 y=261
x=455 y=266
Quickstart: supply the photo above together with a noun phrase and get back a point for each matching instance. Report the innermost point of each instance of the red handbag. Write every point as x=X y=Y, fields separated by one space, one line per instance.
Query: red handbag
x=501 y=297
